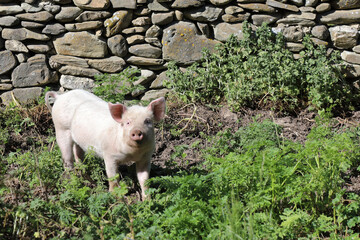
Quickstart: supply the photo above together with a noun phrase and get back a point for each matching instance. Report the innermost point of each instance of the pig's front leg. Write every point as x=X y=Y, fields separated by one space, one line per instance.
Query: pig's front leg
x=111 y=171
x=143 y=173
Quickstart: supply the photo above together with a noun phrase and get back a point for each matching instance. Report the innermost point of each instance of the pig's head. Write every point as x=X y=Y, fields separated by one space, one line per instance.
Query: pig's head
x=137 y=121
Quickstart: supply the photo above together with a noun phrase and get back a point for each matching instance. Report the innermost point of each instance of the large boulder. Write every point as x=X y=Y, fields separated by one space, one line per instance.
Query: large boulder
x=72 y=44
x=183 y=43
x=35 y=72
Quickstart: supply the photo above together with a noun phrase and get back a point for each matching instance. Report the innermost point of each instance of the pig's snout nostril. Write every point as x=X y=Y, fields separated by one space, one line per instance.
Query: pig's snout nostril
x=137 y=135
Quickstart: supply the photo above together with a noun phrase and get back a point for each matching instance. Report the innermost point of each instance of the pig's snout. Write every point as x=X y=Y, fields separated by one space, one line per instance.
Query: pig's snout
x=136 y=135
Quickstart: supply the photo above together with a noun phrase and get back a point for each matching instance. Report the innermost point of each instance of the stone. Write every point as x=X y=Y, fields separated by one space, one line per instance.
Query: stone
x=154 y=94
x=204 y=14
x=187 y=3
x=134 y=30
x=21 y=57
x=340 y=17
x=117 y=45
x=307 y=9
x=141 y=21
x=145 y=77
x=344 y=37
x=7 y=61
x=38 y=47
x=260 y=7
x=259 y=19
x=323 y=7
x=72 y=82
x=303 y=15
x=42 y=16
x=129 y=4
x=78 y=71
x=179 y=16
x=293 y=33
x=351 y=70
x=141 y=61
x=15 y=46
x=31 y=8
x=92 y=16
x=356 y=49
x=31 y=25
x=294 y=47
x=135 y=39
x=22 y=95
x=142 y=11
x=145 y=50
x=6 y=86
x=10 y=9
x=92 y=4
x=233 y=10
x=350 y=57
x=156 y=6
x=310 y=3
x=220 y=2
x=154 y=41
x=281 y=5
x=320 y=31
x=237 y=18
x=9 y=21
x=222 y=31
x=51 y=8
x=34 y=72
x=119 y=21
x=22 y=34
x=84 y=26
x=110 y=65
x=159 y=81
x=183 y=43
x=68 y=14
x=296 y=21
x=153 y=32
x=56 y=61
x=54 y=29
x=204 y=29
x=345 y=4
x=72 y=44
x=319 y=42
x=162 y=18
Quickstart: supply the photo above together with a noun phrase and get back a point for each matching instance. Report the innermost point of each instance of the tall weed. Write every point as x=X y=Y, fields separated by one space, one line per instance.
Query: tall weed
x=258 y=71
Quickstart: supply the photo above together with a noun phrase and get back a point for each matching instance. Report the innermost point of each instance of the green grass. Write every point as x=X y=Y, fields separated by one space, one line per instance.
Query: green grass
x=253 y=184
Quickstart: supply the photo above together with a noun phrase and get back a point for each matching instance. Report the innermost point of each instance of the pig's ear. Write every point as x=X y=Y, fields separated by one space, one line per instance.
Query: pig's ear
x=158 y=108
x=117 y=110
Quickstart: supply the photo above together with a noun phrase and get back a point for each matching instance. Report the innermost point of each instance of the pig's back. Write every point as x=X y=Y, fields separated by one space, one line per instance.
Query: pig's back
x=67 y=104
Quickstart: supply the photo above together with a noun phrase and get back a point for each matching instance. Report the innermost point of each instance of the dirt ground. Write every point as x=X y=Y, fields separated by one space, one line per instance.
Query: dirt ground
x=183 y=129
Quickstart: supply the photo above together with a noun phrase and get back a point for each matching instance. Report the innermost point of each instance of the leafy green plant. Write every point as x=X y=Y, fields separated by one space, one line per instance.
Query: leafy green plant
x=114 y=87
x=258 y=71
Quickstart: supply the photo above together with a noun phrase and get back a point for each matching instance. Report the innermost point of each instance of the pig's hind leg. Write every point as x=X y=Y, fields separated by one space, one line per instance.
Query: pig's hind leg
x=65 y=142
x=78 y=153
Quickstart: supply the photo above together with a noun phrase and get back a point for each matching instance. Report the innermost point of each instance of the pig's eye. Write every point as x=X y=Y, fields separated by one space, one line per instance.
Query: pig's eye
x=148 y=121
x=127 y=122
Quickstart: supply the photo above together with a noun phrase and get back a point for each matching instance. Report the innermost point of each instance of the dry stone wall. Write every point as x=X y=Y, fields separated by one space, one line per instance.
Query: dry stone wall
x=65 y=43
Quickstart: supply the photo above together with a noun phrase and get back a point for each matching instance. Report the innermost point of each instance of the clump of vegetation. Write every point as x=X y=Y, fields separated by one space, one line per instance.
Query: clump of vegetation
x=254 y=184
x=114 y=87
x=259 y=72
